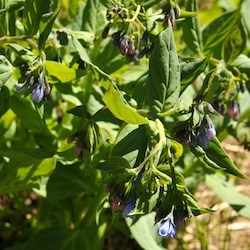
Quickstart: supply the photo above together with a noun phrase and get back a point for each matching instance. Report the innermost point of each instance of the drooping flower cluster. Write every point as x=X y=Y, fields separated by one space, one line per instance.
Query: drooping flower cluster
x=87 y=140
x=202 y=133
x=171 y=15
x=37 y=87
x=129 y=29
x=206 y=132
x=173 y=221
x=167 y=229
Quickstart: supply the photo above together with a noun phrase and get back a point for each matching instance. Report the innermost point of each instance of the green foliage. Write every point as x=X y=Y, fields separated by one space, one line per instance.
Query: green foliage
x=112 y=108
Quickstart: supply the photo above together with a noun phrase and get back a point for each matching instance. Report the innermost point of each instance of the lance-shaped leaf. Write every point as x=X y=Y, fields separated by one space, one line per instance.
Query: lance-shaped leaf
x=217 y=154
x=33 y=12
x=114 y=101
x=46 y=31
x=219 y=29
x=191 y=70
x=234 y=44
x=191 y=30
x=164 y=73
x=227 y=193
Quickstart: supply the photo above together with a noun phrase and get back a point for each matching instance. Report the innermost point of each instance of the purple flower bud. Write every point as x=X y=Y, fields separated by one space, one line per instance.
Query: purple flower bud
x=124 y=46
x=128 y=208
x=210 y=133
x=37 y=93
x=234 y=111
x=167 y=229
x=117 y=203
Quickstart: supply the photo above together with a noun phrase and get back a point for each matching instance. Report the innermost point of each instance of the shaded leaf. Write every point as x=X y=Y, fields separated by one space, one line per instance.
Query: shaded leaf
x=191 y=30
x=191 y=70
x=23 y=171
x=234 y=44
x=32 y=15
x=114 y=165
x=164 y=73
x=46 y=31
x=219 y=29
x=56 y=238
x=4 y=100
x=66 y=181
x=131 y=143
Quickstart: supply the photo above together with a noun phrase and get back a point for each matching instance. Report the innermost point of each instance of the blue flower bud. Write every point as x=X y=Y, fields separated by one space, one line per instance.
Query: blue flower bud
x=128 y=208
x=37 y=93
x=203 y=140
x=20 y=89
x=167 y=229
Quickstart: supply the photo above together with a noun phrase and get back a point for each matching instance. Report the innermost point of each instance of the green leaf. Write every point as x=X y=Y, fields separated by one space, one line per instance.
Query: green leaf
x=164 y=73
x=80 y=49
x=219 y=29
x=243 y=63
x=202 y=156
x=227 y=193
x=191 y=70
x=22 y=52
x=108 y=3
x=4 y=100
x=6 y=70
x=29 y=117
x=191 y=30
x=23 y=171
x=62 y=72
x=90 y=22
x=145 y=232
x=46 y=31
x=131 y=144
x=217 y=154
x=68 y=180
x=56 y=238
x=32 y=15
x=114 y=101
x=234 y=44
x=245 y=5
x=114 y=165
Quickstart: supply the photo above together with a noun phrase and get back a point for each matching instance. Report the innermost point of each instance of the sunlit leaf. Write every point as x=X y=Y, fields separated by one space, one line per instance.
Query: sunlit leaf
x=62 y=72
x=114 y=101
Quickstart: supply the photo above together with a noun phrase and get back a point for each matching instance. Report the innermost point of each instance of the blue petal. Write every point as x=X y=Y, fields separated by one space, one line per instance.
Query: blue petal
x=167 y=229
x=37 y=94
x=203 y=140
x=128 y=208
